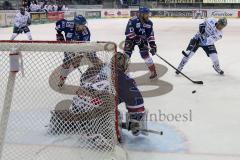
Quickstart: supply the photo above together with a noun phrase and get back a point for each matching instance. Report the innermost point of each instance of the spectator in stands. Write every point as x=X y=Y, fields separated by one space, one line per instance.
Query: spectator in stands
x=50 y=8
x=7 y=5
x=124 y=3
x=34 y=7
x=60 y=7
x=135 y=2
x=64 y=8
x=55 y=7
x=45 y=8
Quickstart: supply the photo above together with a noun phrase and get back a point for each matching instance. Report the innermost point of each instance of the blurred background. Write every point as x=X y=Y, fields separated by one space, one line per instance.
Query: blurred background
x=202 y=4
x=49 y=11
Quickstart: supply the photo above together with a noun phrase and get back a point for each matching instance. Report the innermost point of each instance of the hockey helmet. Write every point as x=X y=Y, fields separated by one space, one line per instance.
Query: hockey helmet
x=222 y=21
x=80 y=20
x=143 y=10
x=22 y=10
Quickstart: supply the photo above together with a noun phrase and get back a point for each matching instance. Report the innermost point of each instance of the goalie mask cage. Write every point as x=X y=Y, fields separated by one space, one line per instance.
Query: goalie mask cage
x=36 y=122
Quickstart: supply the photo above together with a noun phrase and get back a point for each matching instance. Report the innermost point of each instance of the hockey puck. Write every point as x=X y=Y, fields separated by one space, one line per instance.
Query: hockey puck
x=194 y=91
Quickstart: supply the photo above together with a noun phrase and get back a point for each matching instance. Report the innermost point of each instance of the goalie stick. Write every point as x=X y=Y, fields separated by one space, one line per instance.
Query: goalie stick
x=124 y=126
x=195 y=82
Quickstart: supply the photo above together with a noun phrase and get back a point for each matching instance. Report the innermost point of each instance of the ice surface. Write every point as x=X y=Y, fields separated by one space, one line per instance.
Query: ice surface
x=213 y=133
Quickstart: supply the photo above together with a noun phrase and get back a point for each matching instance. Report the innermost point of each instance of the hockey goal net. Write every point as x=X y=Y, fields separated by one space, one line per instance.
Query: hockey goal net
x=43 y=120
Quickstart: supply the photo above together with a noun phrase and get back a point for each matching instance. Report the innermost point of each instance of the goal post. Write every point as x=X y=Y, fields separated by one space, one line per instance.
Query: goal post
x=41 y=119
x=6 y=108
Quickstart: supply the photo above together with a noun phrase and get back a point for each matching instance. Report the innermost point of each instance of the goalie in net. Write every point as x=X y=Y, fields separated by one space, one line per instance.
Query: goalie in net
x=93 y=103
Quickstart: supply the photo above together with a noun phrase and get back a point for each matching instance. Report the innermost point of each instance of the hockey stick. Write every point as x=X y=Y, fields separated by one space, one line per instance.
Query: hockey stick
x=152 y=131
x=196 y=82
x=184 y=53
x=124 y=126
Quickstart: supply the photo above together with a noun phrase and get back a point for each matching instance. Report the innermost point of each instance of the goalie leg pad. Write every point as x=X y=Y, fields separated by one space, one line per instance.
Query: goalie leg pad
x=83 y=104
x=64 y=72
x=77 y=60
x=68 y=56
x=137 y=123
x=93 y=58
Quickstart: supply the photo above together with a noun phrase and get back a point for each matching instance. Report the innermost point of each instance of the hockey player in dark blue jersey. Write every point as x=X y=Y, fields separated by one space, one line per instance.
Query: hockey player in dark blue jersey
x=140 y=32
x=74 y=30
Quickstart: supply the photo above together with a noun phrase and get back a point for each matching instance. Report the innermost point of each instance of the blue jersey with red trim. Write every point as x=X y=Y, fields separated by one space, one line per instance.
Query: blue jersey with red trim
x=128 y=91
x=135 y=29
x=126 y=87
x=68 y=28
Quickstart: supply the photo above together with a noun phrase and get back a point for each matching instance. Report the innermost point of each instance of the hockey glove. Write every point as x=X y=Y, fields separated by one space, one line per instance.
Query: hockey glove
x=60 y=37
x=153 y=48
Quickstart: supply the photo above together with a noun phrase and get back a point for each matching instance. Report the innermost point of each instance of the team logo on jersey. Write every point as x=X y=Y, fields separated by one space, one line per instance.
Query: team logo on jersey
x=138 y=25
x=142 y=30
x=69 y=35
x=146 y=26
x=70 y=24
x=131 y=29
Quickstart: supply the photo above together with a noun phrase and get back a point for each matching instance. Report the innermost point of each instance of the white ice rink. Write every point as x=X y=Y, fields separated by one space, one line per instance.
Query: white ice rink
x=213 y=133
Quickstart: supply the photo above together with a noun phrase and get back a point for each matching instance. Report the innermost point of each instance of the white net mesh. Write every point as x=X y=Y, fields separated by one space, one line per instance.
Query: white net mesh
x=61 y=109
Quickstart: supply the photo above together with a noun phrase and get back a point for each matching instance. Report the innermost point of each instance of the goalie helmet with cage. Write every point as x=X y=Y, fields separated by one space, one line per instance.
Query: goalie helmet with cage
x=121 y=61
x=80 y=20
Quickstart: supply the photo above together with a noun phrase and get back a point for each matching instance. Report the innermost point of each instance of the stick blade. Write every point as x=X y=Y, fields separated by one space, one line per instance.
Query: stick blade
x=198 y=82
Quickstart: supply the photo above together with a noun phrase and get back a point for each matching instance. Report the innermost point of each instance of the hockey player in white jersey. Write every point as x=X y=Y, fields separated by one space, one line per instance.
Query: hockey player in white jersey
x=21 y=23
x=210 y=31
